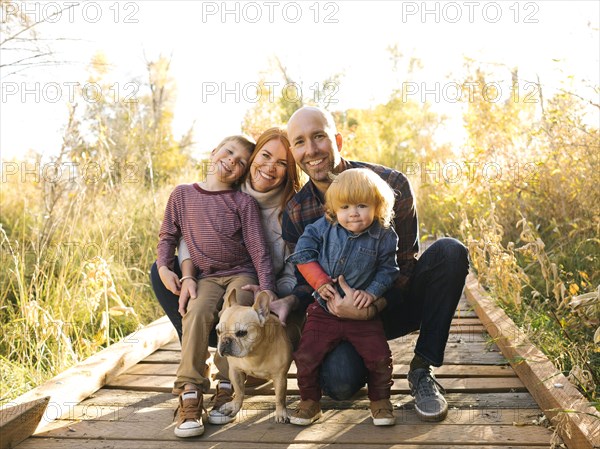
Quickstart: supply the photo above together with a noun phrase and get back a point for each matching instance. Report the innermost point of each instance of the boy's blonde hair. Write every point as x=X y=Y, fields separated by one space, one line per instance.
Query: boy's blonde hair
x=360 y=185
x=245 y=141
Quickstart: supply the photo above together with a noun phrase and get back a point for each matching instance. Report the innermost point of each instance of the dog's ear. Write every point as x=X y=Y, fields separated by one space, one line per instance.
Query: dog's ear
x=230 y=299
x=261 y=306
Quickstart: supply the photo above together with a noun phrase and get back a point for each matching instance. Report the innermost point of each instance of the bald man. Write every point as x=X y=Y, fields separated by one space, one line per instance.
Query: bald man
x=424 y=296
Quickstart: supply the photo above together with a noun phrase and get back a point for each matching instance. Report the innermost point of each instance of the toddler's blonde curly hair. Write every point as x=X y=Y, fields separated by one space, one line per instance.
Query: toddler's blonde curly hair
x=356 y=186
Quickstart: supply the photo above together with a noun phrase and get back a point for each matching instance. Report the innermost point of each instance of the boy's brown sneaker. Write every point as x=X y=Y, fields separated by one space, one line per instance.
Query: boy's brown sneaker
x=383 y=413
x=189 y=422
x=223 y=395
x=306 y=413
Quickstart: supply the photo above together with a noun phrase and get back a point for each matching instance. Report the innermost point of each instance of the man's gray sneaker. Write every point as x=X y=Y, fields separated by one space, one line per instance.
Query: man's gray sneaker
x=429 y=402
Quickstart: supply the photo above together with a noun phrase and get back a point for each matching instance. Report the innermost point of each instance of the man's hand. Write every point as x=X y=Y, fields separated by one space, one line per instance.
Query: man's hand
x=363 y=299
x=188 y=291
x=343 y=306
x=338 y=305
x=169 y=279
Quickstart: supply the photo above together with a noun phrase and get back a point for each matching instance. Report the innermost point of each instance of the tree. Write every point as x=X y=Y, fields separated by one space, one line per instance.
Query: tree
x=128 y=134
x=276 y=106
x=20 y=44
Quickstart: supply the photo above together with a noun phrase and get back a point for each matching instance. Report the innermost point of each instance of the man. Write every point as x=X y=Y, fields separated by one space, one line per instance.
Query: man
x=425 y=295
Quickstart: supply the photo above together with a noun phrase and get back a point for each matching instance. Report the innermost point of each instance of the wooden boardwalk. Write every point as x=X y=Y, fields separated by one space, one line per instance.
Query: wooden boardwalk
x=489 y=408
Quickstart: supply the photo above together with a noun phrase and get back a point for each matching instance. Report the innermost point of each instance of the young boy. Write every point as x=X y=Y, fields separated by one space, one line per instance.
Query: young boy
x=222 y=230
x=355 y=240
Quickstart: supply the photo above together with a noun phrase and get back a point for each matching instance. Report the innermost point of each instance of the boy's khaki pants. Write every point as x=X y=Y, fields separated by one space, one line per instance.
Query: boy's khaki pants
x=202 y=314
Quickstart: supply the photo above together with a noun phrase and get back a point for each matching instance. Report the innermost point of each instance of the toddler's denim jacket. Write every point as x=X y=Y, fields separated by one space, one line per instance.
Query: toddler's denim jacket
x=367 y=260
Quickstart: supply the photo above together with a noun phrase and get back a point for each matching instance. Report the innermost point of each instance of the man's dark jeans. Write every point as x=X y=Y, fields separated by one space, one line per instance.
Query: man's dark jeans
x=429 y=307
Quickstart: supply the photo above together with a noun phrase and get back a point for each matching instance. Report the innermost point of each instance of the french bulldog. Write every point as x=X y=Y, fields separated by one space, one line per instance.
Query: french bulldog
x=256 y=344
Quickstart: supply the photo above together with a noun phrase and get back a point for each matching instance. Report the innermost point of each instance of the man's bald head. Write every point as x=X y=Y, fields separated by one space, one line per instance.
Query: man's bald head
x=316 y=144
x=325 y=115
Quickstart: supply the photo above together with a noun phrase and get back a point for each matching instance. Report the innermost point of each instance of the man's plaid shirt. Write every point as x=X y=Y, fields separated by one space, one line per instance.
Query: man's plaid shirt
x=307 y=207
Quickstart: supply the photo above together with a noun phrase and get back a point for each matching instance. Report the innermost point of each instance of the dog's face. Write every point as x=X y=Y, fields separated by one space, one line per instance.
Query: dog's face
x=241 y=328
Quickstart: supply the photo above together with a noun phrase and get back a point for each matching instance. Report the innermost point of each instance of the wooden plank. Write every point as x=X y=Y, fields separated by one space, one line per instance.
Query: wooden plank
x=461 y=318
x=465 y=322
x=465 y=357
x=401 y=357
x=452 y=338
x=162 y=356
x=401 y=370
x=138 y=382
x=81 y=380
x=198 y=443
x=577 y=421
x=483 y=401
x=127 y=398
x=175 y=346
x=458 y=371
x=153 y=369
x=451 y=385
x=451 y=347
x=19 y=420
x=465 y=314
x=265 y=431
x=463 y=352
x=467 y=329
x=116 y=399
x=472 y=337
x=412 y=338
x=255 y=409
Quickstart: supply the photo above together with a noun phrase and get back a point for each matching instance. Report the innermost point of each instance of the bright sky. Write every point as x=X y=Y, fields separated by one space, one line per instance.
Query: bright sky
x=215 y=45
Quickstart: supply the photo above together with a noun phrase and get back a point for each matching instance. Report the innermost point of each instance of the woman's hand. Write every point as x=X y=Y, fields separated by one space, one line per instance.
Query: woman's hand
x=188 y=291
x=280 y=307
x=169 y=279
x=283 y=307
x=255 y=289
x=272 y=295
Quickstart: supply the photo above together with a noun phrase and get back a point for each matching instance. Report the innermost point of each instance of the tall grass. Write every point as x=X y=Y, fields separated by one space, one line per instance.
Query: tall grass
x=75 y=259
x=532 y=232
